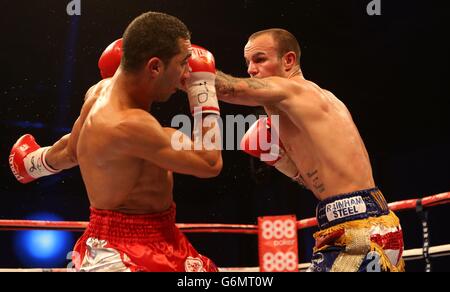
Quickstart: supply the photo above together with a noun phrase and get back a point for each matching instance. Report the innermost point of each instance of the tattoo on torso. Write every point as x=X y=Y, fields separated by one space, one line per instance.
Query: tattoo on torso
x=316 y=182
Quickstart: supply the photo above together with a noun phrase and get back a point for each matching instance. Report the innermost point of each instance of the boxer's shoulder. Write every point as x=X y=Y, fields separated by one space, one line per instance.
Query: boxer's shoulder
x=133 y=122
x=95 y=90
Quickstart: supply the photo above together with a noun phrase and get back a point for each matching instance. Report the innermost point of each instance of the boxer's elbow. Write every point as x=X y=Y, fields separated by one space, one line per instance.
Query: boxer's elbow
x=68 y=160
x=216 y=168
x=72 y=157
x=212 y=168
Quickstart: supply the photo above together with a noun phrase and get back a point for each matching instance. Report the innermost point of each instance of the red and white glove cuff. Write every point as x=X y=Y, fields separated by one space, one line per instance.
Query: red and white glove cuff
x=202 y=95
x=35 y=164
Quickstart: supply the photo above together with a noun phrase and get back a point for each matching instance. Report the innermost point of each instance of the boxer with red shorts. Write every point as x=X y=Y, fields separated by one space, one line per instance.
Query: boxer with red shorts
x=117 y=241
x=127 y=158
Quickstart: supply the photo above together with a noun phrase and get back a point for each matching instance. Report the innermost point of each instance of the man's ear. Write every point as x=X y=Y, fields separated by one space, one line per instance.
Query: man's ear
x=289 y=60
x=155 y=66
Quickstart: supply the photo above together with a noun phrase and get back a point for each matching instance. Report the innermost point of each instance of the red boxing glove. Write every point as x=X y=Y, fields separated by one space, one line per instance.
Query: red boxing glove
x=110 y=59
x=200 y=85
x=27 y=160
x=258 y=143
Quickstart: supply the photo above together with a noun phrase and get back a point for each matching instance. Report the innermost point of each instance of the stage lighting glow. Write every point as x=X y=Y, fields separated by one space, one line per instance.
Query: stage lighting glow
x=43 y=248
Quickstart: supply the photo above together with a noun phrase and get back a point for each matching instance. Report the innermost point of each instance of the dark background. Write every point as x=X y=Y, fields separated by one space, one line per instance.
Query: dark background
x=390 y=70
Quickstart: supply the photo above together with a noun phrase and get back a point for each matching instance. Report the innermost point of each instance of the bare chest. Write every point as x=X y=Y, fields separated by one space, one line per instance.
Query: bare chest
x=294 y=139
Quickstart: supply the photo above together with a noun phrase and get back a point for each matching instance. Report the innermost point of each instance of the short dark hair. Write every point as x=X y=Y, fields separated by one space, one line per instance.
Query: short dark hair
x=152 y=34
x=285 y=41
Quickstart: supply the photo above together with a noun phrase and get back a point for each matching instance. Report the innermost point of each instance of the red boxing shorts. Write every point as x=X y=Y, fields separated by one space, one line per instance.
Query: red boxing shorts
x=115 y=241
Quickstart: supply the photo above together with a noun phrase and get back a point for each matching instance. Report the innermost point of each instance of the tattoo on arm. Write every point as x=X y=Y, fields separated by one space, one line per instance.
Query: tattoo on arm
x=316 y=182
x=256 y=83
x=226 y=85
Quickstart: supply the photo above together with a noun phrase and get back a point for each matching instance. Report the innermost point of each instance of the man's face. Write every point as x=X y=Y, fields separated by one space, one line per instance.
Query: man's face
x=177 y=70
x=261 y=56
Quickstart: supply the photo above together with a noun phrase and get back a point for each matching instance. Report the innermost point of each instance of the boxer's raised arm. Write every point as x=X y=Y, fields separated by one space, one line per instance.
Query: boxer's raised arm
x=254 y=91
x=141 y=136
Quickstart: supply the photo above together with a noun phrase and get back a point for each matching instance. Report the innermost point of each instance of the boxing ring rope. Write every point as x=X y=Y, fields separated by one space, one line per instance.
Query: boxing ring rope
x=412 y=254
